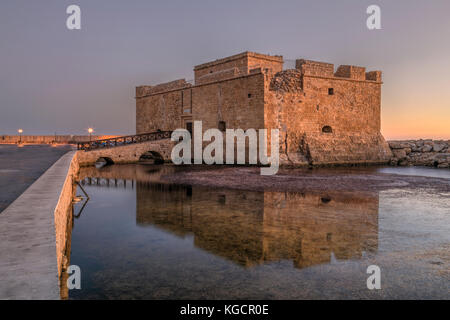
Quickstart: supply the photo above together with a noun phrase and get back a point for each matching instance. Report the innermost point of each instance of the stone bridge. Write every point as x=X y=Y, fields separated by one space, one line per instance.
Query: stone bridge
x=141 y=174
x=155 y=151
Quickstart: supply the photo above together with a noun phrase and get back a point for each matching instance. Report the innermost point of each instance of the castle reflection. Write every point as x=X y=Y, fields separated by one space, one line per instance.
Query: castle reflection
x=251 y=228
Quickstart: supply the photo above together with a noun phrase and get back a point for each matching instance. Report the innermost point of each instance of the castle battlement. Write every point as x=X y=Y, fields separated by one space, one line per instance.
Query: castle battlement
x=324 y=69
x=241 y=64
x=142 y=91
x=324 y=115
x=250 y=63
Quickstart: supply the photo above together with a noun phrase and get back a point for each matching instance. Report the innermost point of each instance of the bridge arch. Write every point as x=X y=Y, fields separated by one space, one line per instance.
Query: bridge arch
x=151 y=157
x=103 y=161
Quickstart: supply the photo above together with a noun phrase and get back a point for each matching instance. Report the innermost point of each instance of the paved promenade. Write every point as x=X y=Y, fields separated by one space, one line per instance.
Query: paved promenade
x=28 y=262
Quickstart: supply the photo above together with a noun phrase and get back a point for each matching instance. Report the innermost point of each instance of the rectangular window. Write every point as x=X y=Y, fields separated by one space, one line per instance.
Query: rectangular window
x=222 y=126
x=189 y=127
x=330 y=91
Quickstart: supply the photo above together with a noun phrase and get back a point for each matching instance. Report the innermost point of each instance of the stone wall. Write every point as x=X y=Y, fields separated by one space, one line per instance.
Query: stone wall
x=433 y=153
x=242 y=64
x=238 y=102
x=64 y=225
x=219 y=75
x=35 y=235
x=142 y=91
x=324 y=117
x=61 y=139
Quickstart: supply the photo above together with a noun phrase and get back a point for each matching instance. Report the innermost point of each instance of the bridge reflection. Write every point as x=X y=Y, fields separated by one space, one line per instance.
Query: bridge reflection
x=108 y=182
x=252 y=228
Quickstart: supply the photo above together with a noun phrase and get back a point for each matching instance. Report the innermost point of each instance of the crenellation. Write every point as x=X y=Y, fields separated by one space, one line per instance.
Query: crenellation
x=373 y=76
x=242 y=64
x=142 y=91
x=314 y=68
x=351 y=72
x=323 y=117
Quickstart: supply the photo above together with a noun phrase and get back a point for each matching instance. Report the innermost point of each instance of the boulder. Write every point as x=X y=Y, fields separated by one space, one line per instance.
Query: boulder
x=424 y=159
x=398 y=145
x=404 y=163
x=420 y=153
x=442 y=157
x=399 y=153
x=416 y=148
x=419 y=143
x=393 y=162
x=438 y=147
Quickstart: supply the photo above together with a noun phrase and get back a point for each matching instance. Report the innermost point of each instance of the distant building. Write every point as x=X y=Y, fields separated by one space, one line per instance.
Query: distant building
x=324 y=117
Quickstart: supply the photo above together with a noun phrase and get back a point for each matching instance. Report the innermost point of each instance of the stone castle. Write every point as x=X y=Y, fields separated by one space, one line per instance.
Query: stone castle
x=325 y=117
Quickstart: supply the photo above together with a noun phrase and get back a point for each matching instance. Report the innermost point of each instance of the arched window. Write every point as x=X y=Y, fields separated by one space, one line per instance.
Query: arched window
x=222 y=125
x=327 y=129
x=325 y=199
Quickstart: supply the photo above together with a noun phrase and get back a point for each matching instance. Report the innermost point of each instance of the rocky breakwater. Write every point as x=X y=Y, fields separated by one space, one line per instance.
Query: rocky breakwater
x=433 y=153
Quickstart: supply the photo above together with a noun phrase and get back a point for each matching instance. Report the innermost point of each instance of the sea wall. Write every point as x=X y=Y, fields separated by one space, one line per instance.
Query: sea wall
x=433 y=153
x=64 y=224
x=61 y=139
x=35 y=235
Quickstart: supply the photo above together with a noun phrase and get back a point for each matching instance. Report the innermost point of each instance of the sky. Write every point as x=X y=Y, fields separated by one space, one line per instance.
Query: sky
x=57 y=80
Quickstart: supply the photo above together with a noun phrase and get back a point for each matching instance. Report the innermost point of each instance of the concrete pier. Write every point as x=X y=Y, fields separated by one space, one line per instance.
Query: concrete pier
x=28 y=238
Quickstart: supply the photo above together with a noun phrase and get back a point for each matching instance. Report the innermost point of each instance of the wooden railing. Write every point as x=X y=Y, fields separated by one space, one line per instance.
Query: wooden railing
x=123 y=141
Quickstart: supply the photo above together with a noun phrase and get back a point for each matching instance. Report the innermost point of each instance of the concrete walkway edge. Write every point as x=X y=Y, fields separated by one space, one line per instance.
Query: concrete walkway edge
x=28 y=257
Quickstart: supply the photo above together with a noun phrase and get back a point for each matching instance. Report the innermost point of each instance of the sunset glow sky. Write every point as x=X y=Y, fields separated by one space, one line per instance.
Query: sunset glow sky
x=56 y=80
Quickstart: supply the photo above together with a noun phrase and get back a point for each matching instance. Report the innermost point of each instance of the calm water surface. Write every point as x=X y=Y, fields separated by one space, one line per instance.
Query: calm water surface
x=21 y=165
x=138 y=238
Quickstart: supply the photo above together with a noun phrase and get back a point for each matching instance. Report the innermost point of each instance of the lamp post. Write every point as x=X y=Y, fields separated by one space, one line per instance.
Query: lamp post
x=90 y=130
x=20 y=135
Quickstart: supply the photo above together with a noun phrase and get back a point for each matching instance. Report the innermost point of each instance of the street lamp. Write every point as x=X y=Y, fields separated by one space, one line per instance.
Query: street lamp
x=20 y=135
x=90 y=130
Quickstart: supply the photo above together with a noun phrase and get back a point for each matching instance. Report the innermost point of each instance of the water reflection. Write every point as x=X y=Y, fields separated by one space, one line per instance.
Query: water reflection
x=139 y=237
x=251 y=228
